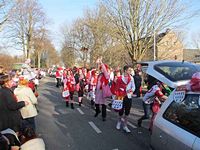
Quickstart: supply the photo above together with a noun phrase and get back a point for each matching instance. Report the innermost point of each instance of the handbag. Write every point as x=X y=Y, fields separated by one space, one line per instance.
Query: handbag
x=65 y=93
x=106 y=91
x=117 y=104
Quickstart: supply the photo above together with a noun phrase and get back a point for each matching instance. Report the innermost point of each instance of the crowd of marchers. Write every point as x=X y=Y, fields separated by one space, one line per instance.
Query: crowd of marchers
x=121 y=85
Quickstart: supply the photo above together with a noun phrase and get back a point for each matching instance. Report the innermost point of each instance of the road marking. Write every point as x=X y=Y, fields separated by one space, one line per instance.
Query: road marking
x=94 y=127
x=80 y=111
x=130 y=124
x=116 y=149
x=61 y=124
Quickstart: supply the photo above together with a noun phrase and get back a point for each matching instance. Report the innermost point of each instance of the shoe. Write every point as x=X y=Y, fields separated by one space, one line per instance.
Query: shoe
x=103 y=119
x=72 y=106
x=139 y=123
x=118 y=126
x=110 y=105
x=126 y=129
x=97 y=113
x=67 y=104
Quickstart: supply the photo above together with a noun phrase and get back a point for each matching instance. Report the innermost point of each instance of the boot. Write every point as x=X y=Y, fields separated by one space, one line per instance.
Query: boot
x=72 y=105
x=103 y=112
x=92 y=103
x=97 y=110
x=67 y=104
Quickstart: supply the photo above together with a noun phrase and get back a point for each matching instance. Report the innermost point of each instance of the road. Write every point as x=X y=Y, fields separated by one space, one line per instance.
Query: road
x=63 y=128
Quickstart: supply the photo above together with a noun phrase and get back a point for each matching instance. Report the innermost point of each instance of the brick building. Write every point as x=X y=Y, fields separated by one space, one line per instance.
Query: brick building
x=168 y=47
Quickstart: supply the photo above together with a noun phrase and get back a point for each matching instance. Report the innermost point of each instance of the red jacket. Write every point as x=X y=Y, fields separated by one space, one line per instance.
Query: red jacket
x=118 y=88
x=70 y=83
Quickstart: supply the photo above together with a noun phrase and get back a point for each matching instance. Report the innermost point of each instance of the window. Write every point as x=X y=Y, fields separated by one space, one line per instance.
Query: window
x=177 y=71
x=185 y=114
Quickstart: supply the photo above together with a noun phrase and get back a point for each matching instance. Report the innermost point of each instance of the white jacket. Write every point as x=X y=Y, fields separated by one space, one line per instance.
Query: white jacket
x=24 y=93
x=34 y=144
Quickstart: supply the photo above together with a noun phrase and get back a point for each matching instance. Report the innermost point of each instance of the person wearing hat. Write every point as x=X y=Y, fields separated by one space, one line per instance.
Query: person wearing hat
x=9 y=107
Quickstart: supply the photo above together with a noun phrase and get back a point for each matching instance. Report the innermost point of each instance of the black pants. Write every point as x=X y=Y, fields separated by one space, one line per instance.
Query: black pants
x=103 y=109
x=127 y=103
x=58 y=82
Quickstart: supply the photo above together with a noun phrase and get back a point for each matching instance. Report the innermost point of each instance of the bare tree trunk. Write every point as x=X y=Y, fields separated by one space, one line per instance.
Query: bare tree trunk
x=39 y=59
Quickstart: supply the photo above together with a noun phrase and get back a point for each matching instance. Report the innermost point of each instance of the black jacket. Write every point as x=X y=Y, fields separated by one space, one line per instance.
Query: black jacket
x=10 y=116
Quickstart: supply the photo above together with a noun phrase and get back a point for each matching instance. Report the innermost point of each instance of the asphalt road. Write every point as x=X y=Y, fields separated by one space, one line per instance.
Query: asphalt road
x=66 y=129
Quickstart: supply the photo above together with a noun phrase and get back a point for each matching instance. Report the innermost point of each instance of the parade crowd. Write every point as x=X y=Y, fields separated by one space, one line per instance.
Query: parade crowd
x=121 y=85
x=18 y=98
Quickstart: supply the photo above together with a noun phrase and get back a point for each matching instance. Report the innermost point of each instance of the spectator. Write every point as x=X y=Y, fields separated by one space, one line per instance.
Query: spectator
x=24 y=93
x=30 y=141
x=11 y=138
x=9 y=107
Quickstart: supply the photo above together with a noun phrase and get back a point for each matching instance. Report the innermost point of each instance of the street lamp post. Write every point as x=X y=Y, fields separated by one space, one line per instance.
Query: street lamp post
x=84 y=50
x=154 y=44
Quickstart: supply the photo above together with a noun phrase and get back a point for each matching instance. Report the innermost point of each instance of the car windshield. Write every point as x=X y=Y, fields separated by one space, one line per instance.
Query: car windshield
x=177 y=71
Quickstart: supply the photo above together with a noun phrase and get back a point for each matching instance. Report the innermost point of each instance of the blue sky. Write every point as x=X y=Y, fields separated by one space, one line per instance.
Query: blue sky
x=62 y=12
x=65 y=11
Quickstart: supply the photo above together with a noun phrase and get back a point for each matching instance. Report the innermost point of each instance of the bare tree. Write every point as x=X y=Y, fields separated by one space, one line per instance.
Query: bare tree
x=26 y=17
x=5 y=6
x=137 y=21
x=50 y=56
x=196 y=41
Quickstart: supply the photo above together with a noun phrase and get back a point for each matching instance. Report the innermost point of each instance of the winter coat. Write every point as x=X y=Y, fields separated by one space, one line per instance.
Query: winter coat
x=24 y=93
x=10 y=116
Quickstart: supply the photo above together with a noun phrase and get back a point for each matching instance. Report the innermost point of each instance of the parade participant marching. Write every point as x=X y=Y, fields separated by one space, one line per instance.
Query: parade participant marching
x=92 y=86
x=125 y=86
x=69 y=84
x=102 y=89
x=151 y=102
x=80 y=85
x=58 y=77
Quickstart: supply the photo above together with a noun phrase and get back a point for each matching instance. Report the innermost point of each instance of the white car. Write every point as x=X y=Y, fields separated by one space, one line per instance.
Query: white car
x=177 y=125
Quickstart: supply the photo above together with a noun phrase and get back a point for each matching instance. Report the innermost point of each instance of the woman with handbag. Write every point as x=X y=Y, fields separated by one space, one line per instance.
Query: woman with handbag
x=102 y=89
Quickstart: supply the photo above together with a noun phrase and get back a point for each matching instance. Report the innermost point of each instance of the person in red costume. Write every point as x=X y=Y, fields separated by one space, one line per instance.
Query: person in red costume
x=69 y=84
x=102 y=81
x=124 y=88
